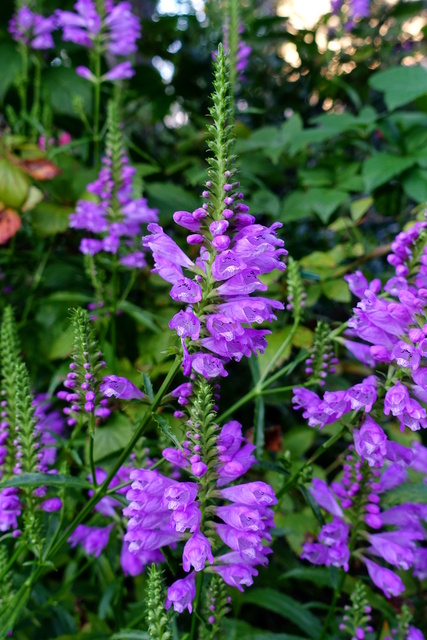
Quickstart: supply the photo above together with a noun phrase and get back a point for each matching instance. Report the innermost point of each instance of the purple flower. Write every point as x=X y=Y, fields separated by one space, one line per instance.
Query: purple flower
x=247 y=543
x=118 y=387
x=51 y=505
x=414 y=634
x=387 y=548
x=10 y=508
x=32 y=29
x=86 y=73
x=121 y=71
x=384 y=579
x=180 y=494
x=362 y=396
x=242 y=517
x=182 y=593
x=185 y=518
x=133 y=563
x=315 y=553
x=196 y=551
x=207 y=366
x=93 y=539
x=396 y=399
x=371 y=443
x=324 y=497
x=236 y=575
x=251 y=494
x=186 y=324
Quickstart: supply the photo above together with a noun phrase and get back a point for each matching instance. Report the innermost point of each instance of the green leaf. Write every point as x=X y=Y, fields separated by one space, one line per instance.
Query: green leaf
x=167 y=430
x=358 y=208
x=42 y=479
x=318 y=575
x=64 y=83
x=140 y=315
x=415 y=185
x=170 y=198
x=240 y=630
x=382 y=167
x=113 y=437
x=336 y=290
x=407 y=493
x=286 y=607
x=14 y=184
x=265 y=201
x=130 y=634
x=48 y=218
x=400 y=85
x=10 y=70
x=316 y=177
x=295 y=206
x=148 y=386
x=325 y=202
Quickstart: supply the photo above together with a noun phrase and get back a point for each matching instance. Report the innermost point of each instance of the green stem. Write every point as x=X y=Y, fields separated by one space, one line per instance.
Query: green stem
x=195 y=614
x=319 y=451
x=35 y=109
x=35 y=284
x=19 y=549
x=280 y=351
x=97 y=104
x=331 y=610
x=23 y=85
x=92 y=460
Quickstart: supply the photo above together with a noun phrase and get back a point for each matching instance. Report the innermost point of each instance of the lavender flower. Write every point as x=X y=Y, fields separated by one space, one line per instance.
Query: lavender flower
x=121 y=388
x=93 y=539
x=32 y=29
x=115 y=31
x=181 y=594
x=384 y=579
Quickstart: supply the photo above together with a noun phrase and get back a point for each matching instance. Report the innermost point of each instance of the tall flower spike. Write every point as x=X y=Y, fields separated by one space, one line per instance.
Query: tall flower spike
x=321 y=359
x=216 y=325
x=84 y=378
x=357 y=615
x=116 y=217
x=158 y=622
x=216 y=608
x=295 y=289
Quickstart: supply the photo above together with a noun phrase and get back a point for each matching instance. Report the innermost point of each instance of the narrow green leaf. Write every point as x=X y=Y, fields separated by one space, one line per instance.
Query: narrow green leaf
x=166 y=429
x=41 y=479
x=286 y=607
x=140 y=315
x=148 y=386
x=130 y=634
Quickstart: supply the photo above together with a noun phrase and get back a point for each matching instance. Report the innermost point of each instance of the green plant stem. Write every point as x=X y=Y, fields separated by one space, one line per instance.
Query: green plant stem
x=36 y=283
x=286 y=342
x=92 y=459
x=319 y=451
x=23 y=84
x=99 y=493
x=19 y=549
x=195 y=615
x=97 y=104
x=35 y=109
x=331 y=610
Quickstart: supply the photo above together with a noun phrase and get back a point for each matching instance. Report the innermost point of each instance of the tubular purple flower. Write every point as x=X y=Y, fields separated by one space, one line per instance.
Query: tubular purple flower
x=182 y=593
x=391 y=551
x=121 y=71
x=119 y=387
x=196 y=551
x=93 y=539
x=324 y=497
x=236 y=575
x=251 y=494
x=371 y=443
x=384 y=579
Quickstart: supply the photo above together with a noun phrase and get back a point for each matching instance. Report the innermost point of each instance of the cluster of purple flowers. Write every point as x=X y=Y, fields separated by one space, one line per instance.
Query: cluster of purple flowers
x=355 y=501
x=117 y=216
x=114 y=31
x=220 y=310
x=162 y=510
x=32 y=29
x=388 y=326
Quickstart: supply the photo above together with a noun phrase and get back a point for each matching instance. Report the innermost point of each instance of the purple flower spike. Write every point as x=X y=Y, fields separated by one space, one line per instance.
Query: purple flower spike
x=196 y=551
x=181 y=594
x=384 y=579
